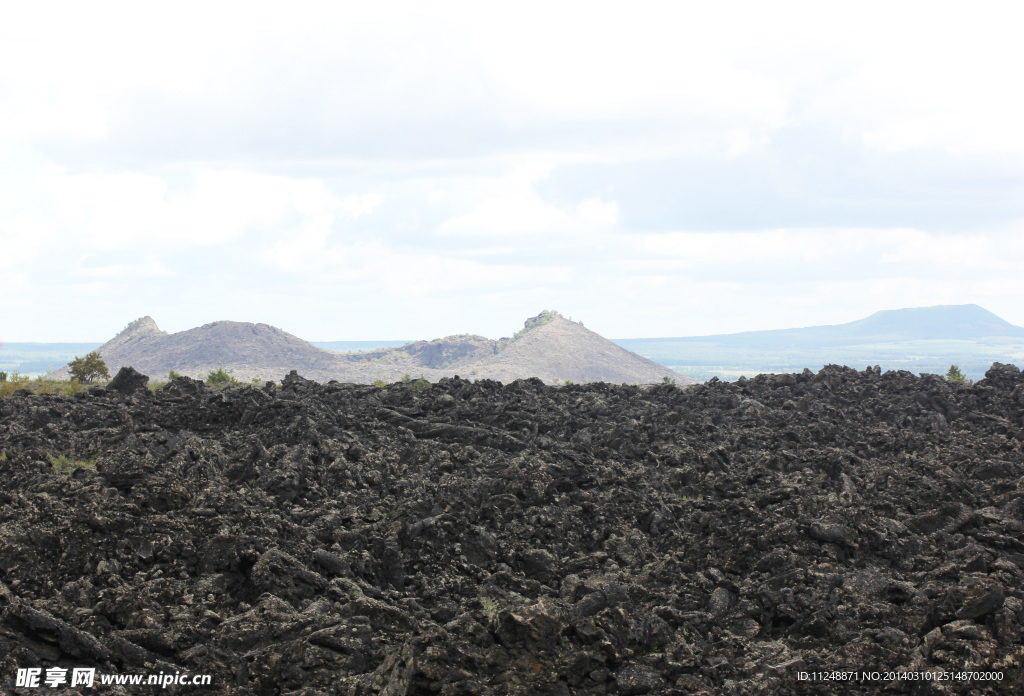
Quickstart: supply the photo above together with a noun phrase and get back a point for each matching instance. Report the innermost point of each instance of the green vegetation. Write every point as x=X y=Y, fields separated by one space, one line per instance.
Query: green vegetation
x=172 y=375
x=684 y=498
x=16 y=381
x=666 y=379
x=955 y=375
x=220 y=378
x=63 y=465
x=13 y=383
x=88 y=369
x=3 y=377
x=418 y=383
x=379 y=383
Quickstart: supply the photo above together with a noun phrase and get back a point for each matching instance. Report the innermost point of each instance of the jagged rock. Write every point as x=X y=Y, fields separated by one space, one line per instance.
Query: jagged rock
x=128 y=380
x=483 y=538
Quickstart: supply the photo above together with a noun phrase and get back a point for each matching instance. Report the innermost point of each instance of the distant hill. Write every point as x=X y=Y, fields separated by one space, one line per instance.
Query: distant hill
x=549 y=347
x=949 y=322
x=555 y=347
x=922 y=339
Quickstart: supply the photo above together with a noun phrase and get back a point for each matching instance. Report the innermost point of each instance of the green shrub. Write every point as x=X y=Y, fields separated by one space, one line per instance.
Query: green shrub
x=89 y=368
x=955 y=375
x=219 y=377
x=172 y=375
x=379 y=383
x=14 y=382
x=3 y=377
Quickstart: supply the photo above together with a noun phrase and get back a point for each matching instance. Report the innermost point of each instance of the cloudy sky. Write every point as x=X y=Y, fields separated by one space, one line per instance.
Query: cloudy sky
x=412 y=170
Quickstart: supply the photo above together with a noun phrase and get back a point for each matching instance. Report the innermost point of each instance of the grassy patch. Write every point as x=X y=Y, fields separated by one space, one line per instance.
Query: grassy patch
x=63 y=465
x=16 y=381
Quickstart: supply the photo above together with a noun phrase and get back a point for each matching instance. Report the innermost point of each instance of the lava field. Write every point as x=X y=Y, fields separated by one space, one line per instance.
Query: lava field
x=774 y=535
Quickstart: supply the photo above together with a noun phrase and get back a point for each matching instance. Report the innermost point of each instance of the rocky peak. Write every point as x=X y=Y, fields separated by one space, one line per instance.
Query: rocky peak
x=144 y=326
x=543 y=318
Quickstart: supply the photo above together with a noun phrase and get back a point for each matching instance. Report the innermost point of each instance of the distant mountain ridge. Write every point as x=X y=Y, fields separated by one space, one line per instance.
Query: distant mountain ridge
x=920 y=339
x=951 y=322
x=549 y=347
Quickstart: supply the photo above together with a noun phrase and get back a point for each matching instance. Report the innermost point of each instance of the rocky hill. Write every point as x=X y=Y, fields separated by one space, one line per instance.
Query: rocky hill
x=552 y=347
x=549 y=347
x=521 y=540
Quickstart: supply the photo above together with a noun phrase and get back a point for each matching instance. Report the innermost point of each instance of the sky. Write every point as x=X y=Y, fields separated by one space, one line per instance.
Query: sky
x=350 y=171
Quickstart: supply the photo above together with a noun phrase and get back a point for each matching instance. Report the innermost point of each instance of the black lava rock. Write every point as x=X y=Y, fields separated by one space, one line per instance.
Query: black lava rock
x=479 y=538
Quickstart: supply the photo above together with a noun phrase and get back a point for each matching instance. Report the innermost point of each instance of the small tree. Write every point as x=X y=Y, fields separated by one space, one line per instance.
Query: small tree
x=89 y=368
x=3 y=377
x=219 y=376
x=955 y=375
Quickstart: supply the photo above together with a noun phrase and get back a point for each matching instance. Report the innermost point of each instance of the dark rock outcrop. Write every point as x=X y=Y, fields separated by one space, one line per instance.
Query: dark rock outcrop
x=481 y=538
x=128 y=380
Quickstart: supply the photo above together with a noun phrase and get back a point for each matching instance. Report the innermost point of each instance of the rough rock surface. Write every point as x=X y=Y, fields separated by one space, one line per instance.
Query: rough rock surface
x=475 y=538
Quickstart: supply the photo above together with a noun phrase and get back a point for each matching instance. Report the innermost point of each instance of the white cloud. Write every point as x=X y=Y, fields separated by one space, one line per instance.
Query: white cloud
x=713 y=77
x=927 y=77
x=516 y=210
x=88 y=224
x=789 y=247
x=111 y=211
x=842 y=253
x=952 y=251
x=401 y=151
